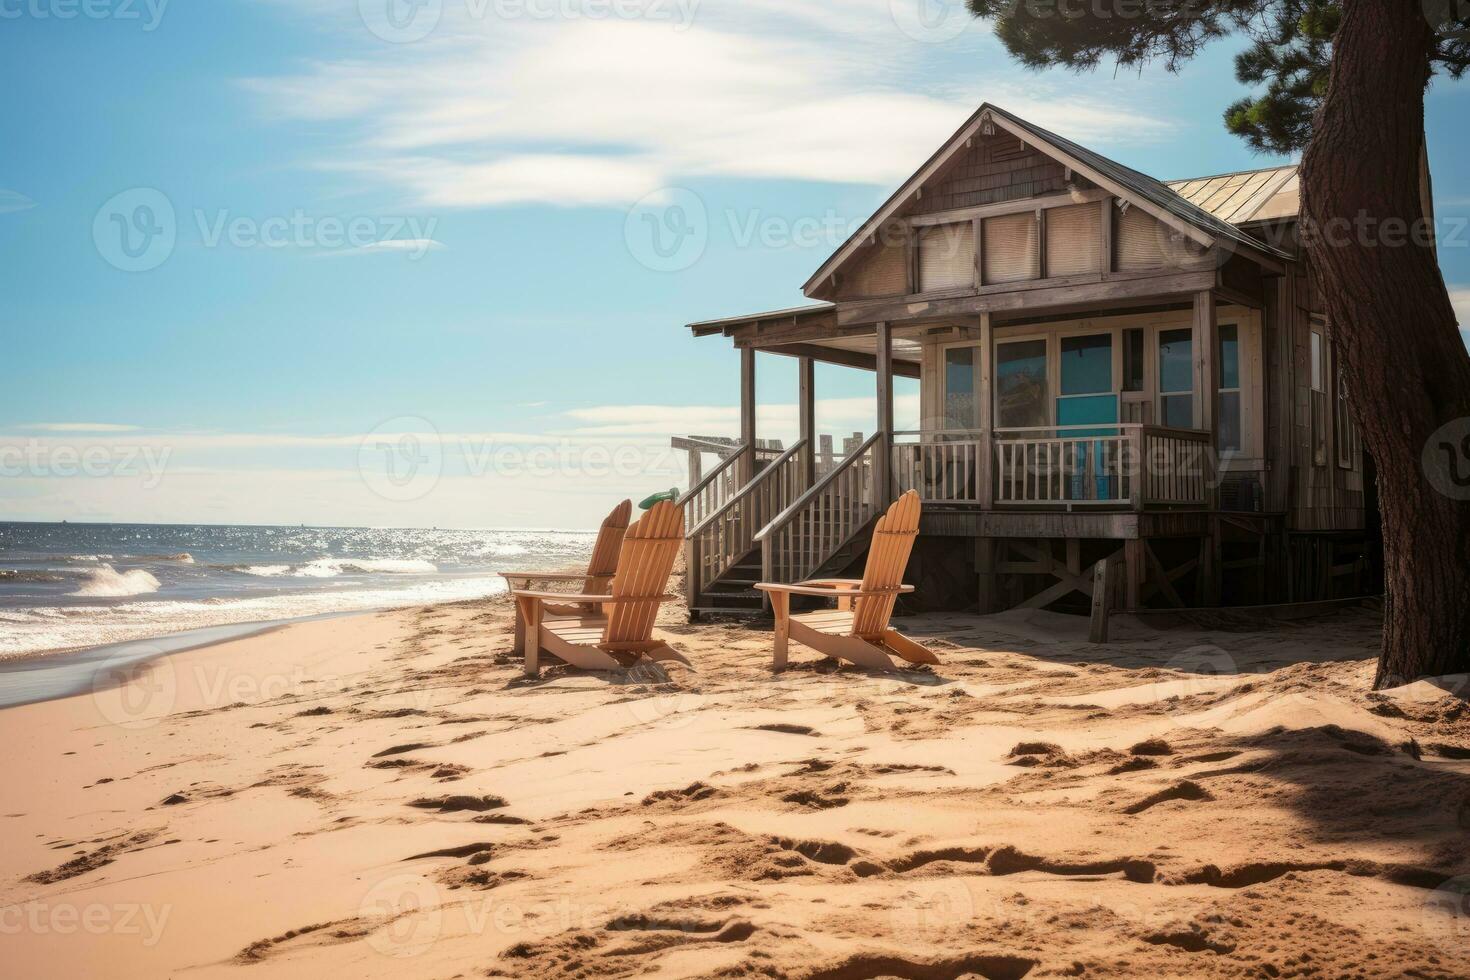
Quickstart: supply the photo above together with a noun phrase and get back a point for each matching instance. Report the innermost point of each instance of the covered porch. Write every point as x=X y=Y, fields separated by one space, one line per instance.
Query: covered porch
x=1076 y=412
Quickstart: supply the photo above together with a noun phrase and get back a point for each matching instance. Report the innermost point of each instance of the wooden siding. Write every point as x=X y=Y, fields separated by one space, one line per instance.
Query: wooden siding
x=997 y=168
x=1320 y=494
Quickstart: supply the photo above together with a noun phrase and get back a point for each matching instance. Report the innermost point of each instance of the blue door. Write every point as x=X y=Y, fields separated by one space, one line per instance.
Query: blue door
x=1087 y=398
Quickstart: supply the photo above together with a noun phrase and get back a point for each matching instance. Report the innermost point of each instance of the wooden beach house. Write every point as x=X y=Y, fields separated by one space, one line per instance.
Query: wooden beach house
x=1111 y=368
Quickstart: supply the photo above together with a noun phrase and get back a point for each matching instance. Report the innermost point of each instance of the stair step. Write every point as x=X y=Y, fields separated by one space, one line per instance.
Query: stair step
x=723 y=611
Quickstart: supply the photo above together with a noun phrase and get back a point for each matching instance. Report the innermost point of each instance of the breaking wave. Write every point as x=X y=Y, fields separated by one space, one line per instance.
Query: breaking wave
x=106 y=582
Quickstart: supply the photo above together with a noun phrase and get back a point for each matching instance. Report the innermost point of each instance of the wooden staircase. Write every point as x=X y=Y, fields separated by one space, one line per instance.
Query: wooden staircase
x=779 y=527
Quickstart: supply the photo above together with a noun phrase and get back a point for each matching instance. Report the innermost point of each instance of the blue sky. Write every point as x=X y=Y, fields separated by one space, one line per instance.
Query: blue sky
x=444 y=235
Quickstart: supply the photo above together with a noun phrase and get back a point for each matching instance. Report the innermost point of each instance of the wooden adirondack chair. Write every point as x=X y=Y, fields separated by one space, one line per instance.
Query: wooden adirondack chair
x=623 y=637
x=600 y=568
x=857 y=630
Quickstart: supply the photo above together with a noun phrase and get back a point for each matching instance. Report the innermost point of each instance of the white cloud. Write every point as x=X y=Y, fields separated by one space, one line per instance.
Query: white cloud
x=774 y=420
x=413 y=247
x=580 y=111
x=14 y=201
x=79 y=427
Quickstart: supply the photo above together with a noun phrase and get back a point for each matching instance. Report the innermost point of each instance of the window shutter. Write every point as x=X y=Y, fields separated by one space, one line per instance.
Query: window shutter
x=1073 y=240
x=1010 y=248
x=947 y=256
x=885 y=271
x=1143 y=242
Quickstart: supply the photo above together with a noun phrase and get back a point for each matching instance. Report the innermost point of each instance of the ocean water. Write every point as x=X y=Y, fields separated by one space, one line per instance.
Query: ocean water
x=72 y=586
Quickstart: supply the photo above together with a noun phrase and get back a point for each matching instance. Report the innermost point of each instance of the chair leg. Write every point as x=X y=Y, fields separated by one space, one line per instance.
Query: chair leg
x=528 y=619
x=781 y=606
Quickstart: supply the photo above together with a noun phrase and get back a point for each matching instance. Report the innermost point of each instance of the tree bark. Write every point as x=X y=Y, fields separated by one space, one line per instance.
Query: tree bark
x=1401 y=352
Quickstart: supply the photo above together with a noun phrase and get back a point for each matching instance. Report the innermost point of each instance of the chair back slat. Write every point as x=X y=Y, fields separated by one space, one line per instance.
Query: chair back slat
x=604 y=562
x=888 y=556
x=644 y=566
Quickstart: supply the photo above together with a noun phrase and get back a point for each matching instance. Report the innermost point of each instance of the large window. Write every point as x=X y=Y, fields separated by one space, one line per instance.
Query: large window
x=1319 y=394
x=960 y=406
x=1228 y=425
x=1176 y=378
x=1020 y=384
x=1086 y=375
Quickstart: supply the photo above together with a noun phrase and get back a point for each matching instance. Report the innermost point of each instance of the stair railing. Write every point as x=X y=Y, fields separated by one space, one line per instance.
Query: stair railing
x=715 y=490
x=726 y=533
x=822 y=520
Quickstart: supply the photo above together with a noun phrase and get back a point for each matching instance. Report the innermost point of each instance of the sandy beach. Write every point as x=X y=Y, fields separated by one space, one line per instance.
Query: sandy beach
x=383 y=795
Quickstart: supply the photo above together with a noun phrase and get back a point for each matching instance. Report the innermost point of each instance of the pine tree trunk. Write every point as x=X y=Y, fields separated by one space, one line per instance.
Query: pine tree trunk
x=1402 y=356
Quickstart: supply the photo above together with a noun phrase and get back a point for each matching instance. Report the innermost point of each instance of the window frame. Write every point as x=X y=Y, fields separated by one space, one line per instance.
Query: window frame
x=1239 y=387
x=1159 y=393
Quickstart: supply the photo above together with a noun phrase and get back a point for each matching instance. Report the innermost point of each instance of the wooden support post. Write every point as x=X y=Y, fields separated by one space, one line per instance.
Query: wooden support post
x=1134 y=566
x=979 y=229
x=985 y=486
x=806 y=412
x=1205 y=337
x=985 y=574
x=1209 y=565
x=884 y=455
x=696 y=467
x=1102 y=602
x=747 y=414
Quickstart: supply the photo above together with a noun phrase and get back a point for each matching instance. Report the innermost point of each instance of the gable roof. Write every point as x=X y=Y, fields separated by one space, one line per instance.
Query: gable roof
x=1249 y=195
x=1150 y=194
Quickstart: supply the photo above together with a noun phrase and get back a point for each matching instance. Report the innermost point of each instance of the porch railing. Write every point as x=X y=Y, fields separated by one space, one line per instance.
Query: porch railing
x=1178 y=466
x=1119 y=465
x=943 y=466
x=727 y=533
x=822 y=520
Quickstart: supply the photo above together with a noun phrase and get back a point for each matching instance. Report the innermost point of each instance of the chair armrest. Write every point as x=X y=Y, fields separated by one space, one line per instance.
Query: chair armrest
x=844 y=584
x=543 y=576
x=575 y=597
x=807 y=588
